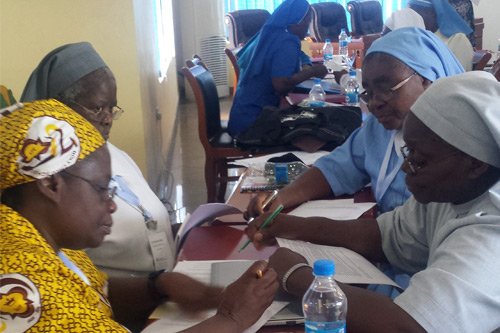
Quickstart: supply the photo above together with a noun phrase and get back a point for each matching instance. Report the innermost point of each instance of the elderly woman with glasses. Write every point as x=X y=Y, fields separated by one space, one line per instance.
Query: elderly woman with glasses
x=76 y=75
x=55 y=201
x=445 y=236
x=396 y=70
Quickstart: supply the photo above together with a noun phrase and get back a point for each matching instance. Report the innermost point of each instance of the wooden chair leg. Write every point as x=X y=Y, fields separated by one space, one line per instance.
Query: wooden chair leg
x=222 y=173
x=210 y=178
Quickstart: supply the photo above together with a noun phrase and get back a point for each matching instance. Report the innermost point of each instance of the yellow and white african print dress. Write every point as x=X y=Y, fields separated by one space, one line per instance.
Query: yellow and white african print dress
x=38 y=293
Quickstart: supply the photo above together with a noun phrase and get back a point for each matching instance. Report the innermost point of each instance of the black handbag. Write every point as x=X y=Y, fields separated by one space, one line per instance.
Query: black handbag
x=278 y=127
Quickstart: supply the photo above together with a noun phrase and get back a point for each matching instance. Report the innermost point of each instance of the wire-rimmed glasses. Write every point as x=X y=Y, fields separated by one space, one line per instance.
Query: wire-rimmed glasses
x=98 y=112
x=385 y=94
x=414 y=166
x=109 y=191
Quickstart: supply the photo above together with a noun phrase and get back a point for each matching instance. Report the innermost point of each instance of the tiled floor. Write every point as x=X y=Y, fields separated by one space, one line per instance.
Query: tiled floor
x=188 y=189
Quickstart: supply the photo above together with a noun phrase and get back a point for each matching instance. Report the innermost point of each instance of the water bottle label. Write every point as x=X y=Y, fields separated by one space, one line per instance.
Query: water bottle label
x=342 y=43
x=325 y=327
x=352 y=98
x=315 y=104
x=328 y=56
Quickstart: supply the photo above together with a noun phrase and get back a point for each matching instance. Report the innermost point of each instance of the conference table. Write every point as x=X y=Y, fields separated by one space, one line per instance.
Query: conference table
x=222 y=240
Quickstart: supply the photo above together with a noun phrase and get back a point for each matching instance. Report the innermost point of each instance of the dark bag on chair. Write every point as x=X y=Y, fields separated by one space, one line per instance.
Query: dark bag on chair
x=277 y=127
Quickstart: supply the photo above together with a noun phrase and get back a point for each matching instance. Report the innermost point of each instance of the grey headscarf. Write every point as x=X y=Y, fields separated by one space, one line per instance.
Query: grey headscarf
x=464 y=110
x=59 y=69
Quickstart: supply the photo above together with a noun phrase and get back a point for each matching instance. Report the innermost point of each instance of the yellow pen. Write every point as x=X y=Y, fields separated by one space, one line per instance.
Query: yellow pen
x=269 y=219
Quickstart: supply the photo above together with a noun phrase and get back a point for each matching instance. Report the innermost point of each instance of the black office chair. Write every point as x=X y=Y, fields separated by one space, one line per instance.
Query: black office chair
x=366 y=17
x=328 y=18
x=243 y=24
x=217 y=143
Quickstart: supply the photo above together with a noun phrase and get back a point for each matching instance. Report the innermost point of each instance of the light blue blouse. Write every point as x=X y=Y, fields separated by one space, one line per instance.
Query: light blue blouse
x=357 y=163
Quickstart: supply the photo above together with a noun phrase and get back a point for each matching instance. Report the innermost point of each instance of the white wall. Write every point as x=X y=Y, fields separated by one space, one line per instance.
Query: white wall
x=123 y=33
x=489 y=10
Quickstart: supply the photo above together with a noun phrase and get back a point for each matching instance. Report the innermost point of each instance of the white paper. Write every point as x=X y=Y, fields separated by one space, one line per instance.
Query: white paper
x=173 y=319
x=307 y=158
x=339 y=209
x=350 y=267
x=204 y=213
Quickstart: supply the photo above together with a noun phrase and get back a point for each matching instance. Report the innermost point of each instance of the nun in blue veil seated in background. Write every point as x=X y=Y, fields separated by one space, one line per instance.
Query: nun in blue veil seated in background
x=271 y=64
x=442 y=19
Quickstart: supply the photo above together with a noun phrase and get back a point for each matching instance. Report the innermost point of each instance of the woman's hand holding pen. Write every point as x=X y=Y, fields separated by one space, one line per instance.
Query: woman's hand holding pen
x=283 y=225
x=260 y=203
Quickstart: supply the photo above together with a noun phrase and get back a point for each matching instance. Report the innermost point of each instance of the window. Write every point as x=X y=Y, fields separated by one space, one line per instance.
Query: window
x=165 y=35
x=388 y=6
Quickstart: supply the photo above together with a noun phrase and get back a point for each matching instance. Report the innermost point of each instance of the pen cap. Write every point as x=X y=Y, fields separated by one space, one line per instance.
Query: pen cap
x=324 y=267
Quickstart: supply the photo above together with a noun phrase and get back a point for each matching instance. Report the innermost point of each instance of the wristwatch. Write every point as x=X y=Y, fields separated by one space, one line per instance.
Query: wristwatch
x=152 y=277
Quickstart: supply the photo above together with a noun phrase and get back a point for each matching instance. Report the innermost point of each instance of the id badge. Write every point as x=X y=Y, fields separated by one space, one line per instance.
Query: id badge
x=159 y=248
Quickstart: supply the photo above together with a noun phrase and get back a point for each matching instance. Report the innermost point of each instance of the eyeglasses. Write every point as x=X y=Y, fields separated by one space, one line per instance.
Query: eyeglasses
x=384 y=95
x=106 y=193
x=115 y=111
x=414 y=166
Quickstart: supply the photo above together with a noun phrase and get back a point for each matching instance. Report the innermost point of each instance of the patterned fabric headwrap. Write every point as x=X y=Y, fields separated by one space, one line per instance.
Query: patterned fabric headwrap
x=40 y=139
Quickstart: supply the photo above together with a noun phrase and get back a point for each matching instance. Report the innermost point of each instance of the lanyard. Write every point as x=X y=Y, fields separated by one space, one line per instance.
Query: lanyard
x=73 y=267
x=384 y=181
x=126 y=194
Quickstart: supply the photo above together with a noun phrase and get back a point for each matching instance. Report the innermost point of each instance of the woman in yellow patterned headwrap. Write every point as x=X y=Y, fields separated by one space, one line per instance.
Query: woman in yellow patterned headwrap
x=54 y=181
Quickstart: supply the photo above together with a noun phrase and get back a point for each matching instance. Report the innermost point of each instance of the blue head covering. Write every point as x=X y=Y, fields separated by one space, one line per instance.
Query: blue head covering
x=448 y=20
x=253 y=55
x=420 y=50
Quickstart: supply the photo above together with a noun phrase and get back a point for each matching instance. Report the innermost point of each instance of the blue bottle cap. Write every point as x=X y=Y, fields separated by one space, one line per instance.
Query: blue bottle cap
x=317 y=81
x=342 y=29
x=352 y=73
x=327 y=40
x=324 y=267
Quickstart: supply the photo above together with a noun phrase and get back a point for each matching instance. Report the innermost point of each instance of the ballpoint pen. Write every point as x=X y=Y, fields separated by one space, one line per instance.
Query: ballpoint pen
x=265 y=203
x=269 y=219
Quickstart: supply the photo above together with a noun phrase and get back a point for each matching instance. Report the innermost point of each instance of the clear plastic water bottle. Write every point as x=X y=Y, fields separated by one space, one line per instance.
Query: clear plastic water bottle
x=343 y=46
x=327 y=52
x=324 y=304
x=352 y=90
x=317 y=94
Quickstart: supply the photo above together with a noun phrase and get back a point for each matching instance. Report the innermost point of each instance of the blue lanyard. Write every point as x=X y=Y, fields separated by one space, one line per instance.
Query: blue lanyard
x=129 y=197
x=73 y=267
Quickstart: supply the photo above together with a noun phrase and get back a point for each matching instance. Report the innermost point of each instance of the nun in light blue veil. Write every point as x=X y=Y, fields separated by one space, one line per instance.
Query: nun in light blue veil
x=434 y=59
x=448 y=20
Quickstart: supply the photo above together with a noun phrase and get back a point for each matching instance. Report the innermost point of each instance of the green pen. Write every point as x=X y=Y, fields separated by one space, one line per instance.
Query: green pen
x=269 y=219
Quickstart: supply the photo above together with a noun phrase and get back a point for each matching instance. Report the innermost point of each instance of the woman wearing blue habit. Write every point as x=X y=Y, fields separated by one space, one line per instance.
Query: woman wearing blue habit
x=271 y=64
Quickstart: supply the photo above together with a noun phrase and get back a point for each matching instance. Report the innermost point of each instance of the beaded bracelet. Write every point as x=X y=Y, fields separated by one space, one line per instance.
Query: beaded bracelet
x=290 y=272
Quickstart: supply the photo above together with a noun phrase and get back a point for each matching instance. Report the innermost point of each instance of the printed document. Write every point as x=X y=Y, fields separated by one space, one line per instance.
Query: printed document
x=350 y=267
x=338 y=209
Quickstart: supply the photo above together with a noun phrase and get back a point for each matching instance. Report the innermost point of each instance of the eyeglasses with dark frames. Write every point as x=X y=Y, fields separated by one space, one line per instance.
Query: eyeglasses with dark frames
x=384 y=95
x=116 y=111
x=414 y=166
x=109 y=191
